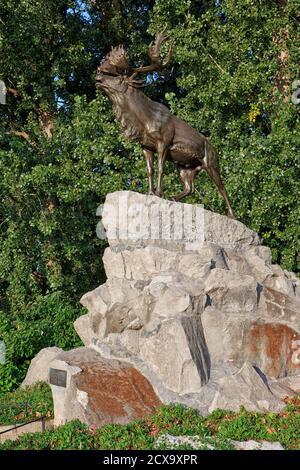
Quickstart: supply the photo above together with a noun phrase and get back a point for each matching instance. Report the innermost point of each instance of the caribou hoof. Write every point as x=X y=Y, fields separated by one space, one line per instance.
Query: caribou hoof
x=159 y=193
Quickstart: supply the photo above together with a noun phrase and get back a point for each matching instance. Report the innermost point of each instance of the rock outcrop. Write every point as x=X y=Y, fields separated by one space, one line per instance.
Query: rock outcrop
x=100 y=391
x=193 y=304
x=198 y=443
x=207 y=319
x=38 y=369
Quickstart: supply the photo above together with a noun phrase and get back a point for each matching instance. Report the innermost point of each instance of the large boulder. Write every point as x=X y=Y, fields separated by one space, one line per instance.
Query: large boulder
x=191 y=356
x=245 y=388
x=136 y=220
x=38 y=369
x=231 y=292
x=199 y=443
x=193 y=303
x=272 y=346
x=100 y=391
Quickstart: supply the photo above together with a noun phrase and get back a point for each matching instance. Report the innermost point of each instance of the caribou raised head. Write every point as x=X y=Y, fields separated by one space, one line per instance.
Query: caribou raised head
x=153 y=125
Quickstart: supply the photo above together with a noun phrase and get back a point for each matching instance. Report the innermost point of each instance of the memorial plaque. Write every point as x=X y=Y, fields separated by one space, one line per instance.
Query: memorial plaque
x=58 y=377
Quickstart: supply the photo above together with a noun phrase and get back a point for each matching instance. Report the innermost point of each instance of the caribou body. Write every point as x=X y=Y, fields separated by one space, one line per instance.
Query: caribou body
x=154 y=127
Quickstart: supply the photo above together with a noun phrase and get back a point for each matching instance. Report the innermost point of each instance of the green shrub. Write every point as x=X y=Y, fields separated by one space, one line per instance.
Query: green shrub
x=46 y=322
x=72 y=436
x=25 y=404
x=217 y=430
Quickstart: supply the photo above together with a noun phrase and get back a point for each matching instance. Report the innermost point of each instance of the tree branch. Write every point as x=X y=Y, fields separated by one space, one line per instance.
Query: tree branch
x=46 y=122
x=214 y=60
x=13 y=91
x=23 y=135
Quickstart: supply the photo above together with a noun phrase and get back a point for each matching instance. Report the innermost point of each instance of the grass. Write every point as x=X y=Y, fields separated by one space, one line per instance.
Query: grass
x=217 y=430
x=13 y=405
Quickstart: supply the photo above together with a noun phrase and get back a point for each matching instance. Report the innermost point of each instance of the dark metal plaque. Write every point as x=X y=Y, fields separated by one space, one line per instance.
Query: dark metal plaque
x=58 y=377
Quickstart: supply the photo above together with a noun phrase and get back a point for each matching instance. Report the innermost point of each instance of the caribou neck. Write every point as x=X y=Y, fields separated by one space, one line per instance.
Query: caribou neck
x=132 y=109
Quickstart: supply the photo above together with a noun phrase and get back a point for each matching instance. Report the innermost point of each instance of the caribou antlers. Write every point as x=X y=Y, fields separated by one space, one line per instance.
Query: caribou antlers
x=117 y=58
x=154 y=54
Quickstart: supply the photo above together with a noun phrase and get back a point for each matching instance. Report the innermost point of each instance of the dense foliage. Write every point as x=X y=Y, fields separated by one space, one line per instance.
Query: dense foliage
x=26 y=404
x=61 y=151
x=217 y=430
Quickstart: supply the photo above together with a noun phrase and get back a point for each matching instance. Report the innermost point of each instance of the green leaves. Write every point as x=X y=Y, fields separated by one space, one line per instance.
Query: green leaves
x=214 y=431
x=48 y=321
x=231 y=71
x=26 y=404
x=50 y=188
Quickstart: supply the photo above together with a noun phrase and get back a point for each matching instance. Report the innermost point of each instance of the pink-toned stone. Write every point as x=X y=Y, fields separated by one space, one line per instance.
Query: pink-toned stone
x=101 y=391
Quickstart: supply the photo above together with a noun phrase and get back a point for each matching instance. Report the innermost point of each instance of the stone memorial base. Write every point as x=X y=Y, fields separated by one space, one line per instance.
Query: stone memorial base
x=193 y=311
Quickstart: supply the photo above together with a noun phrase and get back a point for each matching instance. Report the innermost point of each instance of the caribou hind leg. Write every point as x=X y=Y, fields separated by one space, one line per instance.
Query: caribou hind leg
x=210 y=163
x=187 y=176
x=215 y=176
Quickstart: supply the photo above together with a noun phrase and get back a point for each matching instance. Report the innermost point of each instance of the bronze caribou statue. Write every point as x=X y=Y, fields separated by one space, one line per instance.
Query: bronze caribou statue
x=152 y=124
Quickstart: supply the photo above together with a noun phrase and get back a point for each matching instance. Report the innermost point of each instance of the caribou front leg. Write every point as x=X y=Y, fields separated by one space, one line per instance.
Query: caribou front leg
x=149 y=161
x=162 y=151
